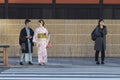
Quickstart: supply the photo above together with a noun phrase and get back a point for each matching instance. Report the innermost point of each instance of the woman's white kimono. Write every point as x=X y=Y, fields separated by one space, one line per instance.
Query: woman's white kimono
x=41 y=44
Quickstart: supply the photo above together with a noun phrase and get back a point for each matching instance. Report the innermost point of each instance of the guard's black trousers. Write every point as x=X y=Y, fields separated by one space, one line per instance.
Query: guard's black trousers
x=102 y=55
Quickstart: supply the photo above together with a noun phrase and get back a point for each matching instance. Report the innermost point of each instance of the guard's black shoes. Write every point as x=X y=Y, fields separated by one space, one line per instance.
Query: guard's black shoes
x=102 y=62
x=21 y=63
x=97 y=62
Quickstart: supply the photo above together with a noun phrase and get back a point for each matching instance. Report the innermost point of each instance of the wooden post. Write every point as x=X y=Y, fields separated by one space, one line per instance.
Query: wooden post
x=6 y=9
x=101 y=9
x=5 y=57
x=53 y=9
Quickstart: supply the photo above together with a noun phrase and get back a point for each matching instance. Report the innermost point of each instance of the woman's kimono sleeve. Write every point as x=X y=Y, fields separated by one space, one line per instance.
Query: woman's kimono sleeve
x=35 y=38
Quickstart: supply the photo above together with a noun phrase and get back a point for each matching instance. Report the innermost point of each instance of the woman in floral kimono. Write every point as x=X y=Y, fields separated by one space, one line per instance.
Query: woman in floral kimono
x=41 y=39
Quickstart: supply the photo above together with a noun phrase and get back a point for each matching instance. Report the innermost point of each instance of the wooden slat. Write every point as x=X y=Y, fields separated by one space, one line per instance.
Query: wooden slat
x=77 y=1
x=111 y=1
x=1 y=1
x=31 y=1
x=1 y=51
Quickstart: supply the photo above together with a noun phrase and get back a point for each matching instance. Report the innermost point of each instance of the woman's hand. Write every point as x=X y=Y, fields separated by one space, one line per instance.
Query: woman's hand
x=35 y=44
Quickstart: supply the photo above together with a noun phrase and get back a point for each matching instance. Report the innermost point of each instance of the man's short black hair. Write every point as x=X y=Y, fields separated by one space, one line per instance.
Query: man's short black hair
x=27 y=21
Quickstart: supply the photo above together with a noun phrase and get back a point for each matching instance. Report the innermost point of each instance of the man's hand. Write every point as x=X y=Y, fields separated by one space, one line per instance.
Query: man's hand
x=28 y=37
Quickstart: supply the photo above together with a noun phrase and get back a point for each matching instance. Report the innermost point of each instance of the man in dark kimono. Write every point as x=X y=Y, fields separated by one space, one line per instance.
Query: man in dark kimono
x=25 y=41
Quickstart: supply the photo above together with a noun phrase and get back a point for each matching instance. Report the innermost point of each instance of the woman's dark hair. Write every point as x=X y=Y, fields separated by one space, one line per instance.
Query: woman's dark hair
x=43 y=22
x=100 y=21
x=27 y=21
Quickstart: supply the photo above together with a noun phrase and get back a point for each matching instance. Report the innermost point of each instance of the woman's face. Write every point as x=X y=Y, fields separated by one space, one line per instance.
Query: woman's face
x=102 y=23
x=40 y=23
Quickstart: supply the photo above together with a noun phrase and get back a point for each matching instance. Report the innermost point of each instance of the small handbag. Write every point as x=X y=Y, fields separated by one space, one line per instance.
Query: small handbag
x=49 y=45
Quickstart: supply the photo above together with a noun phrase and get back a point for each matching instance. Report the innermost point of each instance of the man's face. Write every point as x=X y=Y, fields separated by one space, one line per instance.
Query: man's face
x=28 y=24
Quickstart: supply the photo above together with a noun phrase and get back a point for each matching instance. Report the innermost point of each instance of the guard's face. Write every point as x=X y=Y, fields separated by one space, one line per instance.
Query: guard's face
x=102 y=23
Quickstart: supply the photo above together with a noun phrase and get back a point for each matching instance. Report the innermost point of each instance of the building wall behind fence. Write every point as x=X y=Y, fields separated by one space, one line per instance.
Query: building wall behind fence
x=70 y=38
